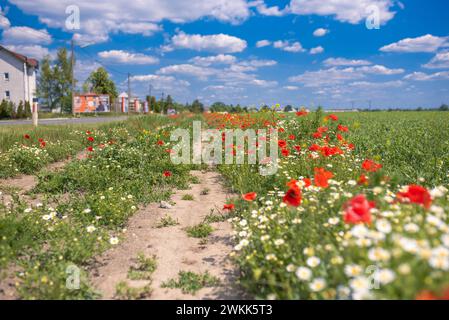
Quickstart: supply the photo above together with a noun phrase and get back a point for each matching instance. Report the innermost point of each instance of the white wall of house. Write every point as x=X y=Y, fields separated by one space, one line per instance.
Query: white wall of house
x=20 y=85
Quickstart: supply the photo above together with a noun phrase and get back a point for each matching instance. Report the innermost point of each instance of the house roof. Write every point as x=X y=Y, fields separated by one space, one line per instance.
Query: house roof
x=29 y=61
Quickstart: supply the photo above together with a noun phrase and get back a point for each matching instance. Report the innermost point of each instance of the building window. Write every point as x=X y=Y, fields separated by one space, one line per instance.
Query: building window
x=6 y=76
x=7 y=95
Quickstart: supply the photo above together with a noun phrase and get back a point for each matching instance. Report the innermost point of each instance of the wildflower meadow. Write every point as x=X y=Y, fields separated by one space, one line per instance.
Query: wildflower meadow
x=357 y=208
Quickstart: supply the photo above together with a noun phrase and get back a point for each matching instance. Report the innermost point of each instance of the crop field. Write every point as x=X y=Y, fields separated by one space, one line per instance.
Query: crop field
x=357 y=209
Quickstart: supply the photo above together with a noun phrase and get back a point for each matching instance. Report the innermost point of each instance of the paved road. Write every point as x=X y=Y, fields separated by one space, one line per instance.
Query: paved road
x=59 y=121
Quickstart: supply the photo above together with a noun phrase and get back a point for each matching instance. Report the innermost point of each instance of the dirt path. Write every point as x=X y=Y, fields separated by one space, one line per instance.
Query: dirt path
x=174 y=250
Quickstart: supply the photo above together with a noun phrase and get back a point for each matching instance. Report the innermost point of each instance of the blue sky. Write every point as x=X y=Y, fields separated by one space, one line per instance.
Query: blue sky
x=300 y=52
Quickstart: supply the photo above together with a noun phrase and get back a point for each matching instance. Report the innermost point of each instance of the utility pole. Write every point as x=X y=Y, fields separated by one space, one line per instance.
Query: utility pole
x=369 y=104
x=72 y=61
x=129 y=91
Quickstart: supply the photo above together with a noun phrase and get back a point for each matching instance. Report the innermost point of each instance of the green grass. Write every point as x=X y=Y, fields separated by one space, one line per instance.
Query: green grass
x=202 y=230
x=143 y=268
x=188 y=197
x=166 y=221
x=124 y=292
x=411 y=145
x=190 y=282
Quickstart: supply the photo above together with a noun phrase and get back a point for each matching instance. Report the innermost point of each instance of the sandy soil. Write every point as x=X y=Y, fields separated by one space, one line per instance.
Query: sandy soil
x=174 y=250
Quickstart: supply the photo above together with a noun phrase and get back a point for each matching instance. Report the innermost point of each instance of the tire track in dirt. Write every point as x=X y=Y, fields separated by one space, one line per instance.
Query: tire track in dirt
x=174 y=250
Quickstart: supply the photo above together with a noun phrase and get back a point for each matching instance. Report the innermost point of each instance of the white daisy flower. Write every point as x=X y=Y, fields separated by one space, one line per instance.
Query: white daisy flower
x=313 y=262
x=303 y=273
x=317 y=285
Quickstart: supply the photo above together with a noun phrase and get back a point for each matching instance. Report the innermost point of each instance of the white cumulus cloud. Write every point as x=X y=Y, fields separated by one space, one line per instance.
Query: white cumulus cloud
x=288 y=46
x=218 y=59
x=26 y=36
x=320 y=32
x=317 y=50
x=220 y=43
x=100 y=18
x=125 y=57
x=263 y=43
x=341 y=62
x=421 y=76
x=439 y=61
x=344 y=10
x=426 y=43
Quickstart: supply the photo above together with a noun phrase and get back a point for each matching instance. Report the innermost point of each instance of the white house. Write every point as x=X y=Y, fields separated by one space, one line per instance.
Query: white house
x=17 y=76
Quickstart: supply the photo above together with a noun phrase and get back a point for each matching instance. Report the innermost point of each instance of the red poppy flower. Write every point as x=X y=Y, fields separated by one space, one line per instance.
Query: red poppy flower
x=292 y=183
x=426 y=295
x=314 y=147
x=281 y=130
x=358 y=210
x=250 y=196
x=293 y=197
x=321 y=177
x=229 y=207
x=90 y=149
x=339 y=137
x=333 y=117
x=342 y=128
x=370 y=165
x=40 y=140
x=291 y=137
x=167 y=173
x=88 y=132
x=416 y=194
x=160 y=143
x=307 y=182
x=91 y=139
x=362 y=179
x=301 y=113
x=317 y=135
x=322 y=129
x=282 y=143
x=27 y=136
x=297 y=148
x=285 y=152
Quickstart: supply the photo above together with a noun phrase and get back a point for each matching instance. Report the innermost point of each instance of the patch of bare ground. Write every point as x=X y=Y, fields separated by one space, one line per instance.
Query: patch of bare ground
x=174 y=250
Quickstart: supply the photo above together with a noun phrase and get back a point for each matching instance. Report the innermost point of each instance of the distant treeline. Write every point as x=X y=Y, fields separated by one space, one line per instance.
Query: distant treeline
x=443 y=107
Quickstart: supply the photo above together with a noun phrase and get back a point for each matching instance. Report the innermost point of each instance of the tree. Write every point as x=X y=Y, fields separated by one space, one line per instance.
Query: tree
x=100 y=83
x=55 y=81
x=444 y=107
x=4 y=109
x=27 y=109
x=168 y=103
x=288 y=108
x=46 y=87
x=218 y=107
x=197 y=107
x=265 y=108
x=63 y=75
x=20 y=113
